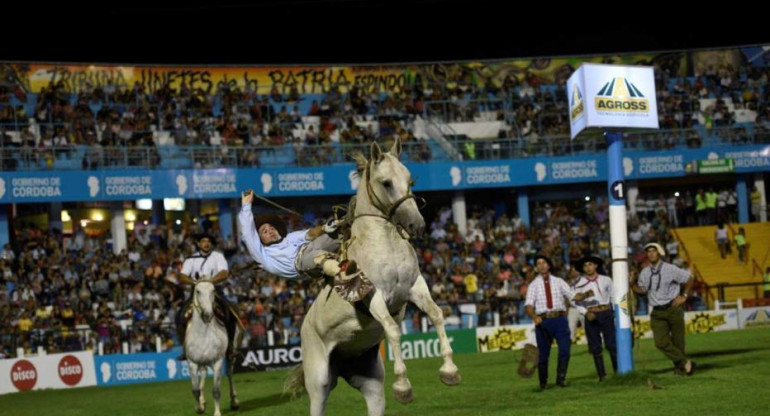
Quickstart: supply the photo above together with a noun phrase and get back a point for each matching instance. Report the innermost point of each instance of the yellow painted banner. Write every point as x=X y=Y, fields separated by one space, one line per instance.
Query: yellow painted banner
x=316 y=79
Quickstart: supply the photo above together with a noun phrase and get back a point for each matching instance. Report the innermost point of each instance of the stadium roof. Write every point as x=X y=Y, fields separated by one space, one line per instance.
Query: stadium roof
x=359 y=31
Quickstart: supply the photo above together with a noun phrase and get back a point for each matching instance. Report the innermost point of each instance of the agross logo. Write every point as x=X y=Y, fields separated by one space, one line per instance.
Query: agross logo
x=70 y=370
x=23 y=375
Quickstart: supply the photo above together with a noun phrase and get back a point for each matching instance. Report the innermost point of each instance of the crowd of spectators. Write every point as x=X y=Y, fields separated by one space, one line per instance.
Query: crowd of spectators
x=71 y=292
x=243 y=125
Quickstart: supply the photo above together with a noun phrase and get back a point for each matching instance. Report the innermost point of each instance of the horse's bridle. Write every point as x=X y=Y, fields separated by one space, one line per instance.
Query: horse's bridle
x=387 y=213
x=195 y=303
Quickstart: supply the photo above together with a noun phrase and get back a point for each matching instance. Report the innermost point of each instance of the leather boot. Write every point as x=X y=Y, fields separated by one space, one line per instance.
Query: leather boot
x=561 y=373
x=181 y=329
x=599 y=363
x=614 y=359
x=542 y=374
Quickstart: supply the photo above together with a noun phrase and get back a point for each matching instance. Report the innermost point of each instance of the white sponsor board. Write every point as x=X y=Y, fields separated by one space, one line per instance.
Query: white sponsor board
x=576 y=97
x=612 y=96
x=55 y=371
x=694 y=322
x=755 y=317
x=514 y=337
x=502 y=338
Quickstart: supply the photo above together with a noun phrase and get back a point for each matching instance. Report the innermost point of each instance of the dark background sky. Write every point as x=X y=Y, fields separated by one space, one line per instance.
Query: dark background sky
x=358 y=31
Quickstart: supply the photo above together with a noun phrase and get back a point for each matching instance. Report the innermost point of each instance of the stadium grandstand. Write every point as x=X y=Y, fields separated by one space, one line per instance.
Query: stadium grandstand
x=109 y=170
x=70 y=281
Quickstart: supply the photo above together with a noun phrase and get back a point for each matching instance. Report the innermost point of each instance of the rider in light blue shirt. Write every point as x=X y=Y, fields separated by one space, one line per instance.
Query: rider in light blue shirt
x=278 y=257
x=300 y=254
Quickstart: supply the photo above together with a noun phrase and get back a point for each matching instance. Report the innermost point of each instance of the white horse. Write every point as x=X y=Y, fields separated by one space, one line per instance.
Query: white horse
x=340 y=339
x=205 y=346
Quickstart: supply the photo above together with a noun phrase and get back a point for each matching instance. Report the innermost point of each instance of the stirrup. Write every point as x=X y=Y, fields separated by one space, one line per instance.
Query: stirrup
x=322 y=258
x=351 y=283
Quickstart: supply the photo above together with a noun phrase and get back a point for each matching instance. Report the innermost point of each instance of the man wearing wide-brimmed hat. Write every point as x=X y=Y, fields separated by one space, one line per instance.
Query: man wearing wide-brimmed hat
x=545 y=305
x=597 y=308
x=208 y=264
x=666 y=287
x=300 y=254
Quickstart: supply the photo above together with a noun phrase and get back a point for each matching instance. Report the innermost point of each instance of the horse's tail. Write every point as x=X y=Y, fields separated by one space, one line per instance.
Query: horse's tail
x=294 y=384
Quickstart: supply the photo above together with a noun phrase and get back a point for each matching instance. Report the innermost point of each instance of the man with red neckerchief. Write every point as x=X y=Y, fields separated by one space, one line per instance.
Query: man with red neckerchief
x=597 y=308
x=545 y=305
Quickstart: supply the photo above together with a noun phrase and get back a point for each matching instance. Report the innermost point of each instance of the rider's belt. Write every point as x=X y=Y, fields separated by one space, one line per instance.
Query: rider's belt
x=555 y=314
x=599 y=308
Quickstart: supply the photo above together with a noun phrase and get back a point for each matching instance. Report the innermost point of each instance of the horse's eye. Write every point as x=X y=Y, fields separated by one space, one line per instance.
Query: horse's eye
x=387 y=184
x=411 y=182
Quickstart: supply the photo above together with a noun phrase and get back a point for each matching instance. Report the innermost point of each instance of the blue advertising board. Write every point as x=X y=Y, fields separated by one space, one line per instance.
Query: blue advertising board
x=121 y=185
x=117 y=369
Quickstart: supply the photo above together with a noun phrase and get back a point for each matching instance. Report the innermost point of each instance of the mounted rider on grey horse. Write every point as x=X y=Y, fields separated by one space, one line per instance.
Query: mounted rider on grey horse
x=206 y=264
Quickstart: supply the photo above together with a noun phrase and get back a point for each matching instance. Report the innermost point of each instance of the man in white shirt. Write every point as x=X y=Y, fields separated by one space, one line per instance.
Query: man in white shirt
x=301 y=254
x=732 y=206
x=438 y=231
x=206 y=264
x=597 y=308
x=673 y=219
x=545 y=305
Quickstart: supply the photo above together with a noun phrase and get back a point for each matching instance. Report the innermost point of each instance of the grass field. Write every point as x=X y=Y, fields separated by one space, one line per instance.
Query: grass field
x=731 y=378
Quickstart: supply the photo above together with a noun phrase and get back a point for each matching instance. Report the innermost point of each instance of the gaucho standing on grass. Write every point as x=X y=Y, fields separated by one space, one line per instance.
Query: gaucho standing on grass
x=545 y=305
x=666 y=287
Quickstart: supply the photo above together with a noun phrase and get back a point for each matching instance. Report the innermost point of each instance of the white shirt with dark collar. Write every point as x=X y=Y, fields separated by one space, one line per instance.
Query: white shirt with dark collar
x=662 y=282
x=200 y=266
x=602 y=291
x=277 y=258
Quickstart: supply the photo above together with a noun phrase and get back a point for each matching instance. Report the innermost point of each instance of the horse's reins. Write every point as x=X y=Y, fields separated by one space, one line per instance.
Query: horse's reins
x=195 y=303
x=279 y=206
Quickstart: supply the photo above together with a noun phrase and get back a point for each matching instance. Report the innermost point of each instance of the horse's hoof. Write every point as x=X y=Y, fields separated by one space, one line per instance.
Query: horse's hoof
x=450 y=379
x=200 y=410
x=235 y=404
x=404 y=397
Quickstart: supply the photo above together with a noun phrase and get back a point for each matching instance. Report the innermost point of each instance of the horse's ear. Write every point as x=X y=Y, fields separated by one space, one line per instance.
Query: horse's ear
x=395 y=150
x=360 y=160
x=376 y=153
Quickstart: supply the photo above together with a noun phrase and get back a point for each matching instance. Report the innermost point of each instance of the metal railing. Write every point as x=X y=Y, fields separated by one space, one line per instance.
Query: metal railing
x=707 y=289
x=720 y=287
x=561 y=145
x=462 y=109
x=19 y=153
x=79 y=339
x=179 y=157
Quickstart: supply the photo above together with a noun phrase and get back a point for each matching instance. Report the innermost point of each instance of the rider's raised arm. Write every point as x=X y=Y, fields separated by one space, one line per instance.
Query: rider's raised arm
x=249 y=234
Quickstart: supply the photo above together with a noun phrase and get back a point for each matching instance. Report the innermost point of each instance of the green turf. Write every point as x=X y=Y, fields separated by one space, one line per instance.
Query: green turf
x=731 y=378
